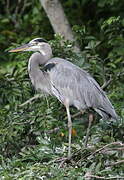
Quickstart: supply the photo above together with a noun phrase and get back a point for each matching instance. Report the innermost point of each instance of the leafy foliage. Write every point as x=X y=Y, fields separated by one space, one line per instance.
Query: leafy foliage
x=34 y=137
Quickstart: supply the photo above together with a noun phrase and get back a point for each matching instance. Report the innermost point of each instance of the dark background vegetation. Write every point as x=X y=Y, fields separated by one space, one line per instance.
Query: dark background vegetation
x=29 y=141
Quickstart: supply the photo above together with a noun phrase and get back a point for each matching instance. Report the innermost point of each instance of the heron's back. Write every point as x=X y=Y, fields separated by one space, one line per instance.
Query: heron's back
x=72 y=83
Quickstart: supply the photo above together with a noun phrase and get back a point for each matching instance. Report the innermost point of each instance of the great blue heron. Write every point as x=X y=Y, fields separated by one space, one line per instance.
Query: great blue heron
x=66 y=81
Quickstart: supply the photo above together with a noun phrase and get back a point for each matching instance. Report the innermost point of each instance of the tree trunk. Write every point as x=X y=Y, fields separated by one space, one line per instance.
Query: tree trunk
x=58 y=20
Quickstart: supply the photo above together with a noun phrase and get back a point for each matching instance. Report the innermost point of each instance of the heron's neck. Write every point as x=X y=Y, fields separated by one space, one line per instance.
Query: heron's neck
x=45 y=56
x=37 y=59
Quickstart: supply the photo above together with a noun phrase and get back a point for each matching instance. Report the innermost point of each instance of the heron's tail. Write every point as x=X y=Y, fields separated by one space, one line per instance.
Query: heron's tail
x=107 y=113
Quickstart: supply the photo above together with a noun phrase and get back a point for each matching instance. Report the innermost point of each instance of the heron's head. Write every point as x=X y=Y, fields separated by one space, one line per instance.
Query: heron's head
x=37 y=44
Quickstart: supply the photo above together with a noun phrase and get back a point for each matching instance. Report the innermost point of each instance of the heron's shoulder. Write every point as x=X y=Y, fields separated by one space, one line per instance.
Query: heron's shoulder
x=62 y=62
x=64 y=67
x=76 y=72
x=58 y=60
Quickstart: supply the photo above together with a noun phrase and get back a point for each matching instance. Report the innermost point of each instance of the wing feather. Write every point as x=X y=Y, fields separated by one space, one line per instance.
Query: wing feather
x=79 y=87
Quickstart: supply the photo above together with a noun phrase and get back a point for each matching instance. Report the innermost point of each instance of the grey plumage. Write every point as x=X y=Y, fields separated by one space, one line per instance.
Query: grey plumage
x=66 y=81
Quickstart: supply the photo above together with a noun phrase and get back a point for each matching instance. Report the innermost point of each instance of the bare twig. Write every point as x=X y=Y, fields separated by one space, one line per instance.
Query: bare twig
x=19 y=123
x=17 y=7
x=101 y=177
x=31 y=99
x=117 y=162
x=25 y=4
x=77 y=114
x=74 y=115
x=106 y=83
x=118 y=149
x=62 y=160
x=55 y=130
x=113 y=143
x=8 y=6
x=113 y=149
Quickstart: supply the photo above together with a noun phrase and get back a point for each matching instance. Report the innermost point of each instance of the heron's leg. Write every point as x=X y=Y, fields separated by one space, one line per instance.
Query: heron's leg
x=70 y=129
x=88 y=129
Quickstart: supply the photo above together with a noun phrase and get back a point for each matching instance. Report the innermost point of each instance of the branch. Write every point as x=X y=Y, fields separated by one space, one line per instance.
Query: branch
x=101 y=177
x=8 y=7
x=25 y=5
x=106 y=83
x=55 y=130
x=117 y=162
x=74 y=115
x=30 y=100
x=17 y=7
x=114 y=143
x=119 y=149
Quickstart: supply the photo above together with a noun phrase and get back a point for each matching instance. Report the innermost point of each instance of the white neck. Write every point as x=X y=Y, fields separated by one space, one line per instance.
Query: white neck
x=46 y=52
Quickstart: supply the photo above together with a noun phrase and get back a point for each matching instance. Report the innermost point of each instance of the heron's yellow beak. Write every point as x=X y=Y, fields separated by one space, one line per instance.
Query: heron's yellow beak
x=21 y=48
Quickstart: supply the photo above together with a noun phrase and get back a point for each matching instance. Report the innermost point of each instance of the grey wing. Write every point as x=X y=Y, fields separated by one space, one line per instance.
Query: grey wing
x=82 y=91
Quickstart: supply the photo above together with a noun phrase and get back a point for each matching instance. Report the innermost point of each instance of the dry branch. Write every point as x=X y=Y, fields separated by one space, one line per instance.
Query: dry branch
x=102 y=177
x=117 y=162
x=30 y=100
x=106 y=83
x=107 y=145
